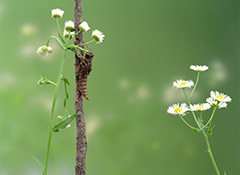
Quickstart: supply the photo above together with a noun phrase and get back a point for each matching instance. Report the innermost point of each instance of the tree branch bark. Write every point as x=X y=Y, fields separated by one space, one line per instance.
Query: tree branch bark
x=81 y=144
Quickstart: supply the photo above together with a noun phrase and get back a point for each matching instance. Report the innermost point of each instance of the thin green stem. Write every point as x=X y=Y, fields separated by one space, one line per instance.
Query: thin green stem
x=198 y=74
x=58 y=41
x=60 y=31
x=90 y=41
x=194 y=116
x=187 y=123
x=52 y=110
x=210 y=152
x=68 y=47
x=210 y=119
x=77 y=32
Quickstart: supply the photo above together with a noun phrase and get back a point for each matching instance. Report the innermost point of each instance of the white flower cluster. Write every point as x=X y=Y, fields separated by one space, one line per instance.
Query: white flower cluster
x=69 y=31
x=216 y=98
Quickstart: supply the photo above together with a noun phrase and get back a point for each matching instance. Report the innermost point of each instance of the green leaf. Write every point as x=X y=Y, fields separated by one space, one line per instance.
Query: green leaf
x=73 y=49
x=65 y=80
x=45 y=81
x=225 y=173
x=38 y=162
x=196 y=130
x=61 y=125
x=210 y=131
x=61 y=38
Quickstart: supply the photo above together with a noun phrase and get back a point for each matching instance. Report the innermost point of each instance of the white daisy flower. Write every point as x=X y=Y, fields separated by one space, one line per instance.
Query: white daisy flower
x=221 y=97
x=199 y=68
x=183 y=84
x=84 y=26
x=57 y=13
x=213 y=102
x=200 y=107
x=176 y=109
x=42 y=51
x=66 y=34
x=98 y=36
x=69 y=26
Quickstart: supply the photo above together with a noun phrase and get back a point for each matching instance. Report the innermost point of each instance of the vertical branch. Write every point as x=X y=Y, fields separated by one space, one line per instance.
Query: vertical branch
x=81 y=144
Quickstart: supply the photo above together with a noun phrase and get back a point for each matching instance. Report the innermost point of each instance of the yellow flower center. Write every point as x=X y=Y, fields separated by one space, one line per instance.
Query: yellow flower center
x=182 y=84
x=178 y=110
x=220 y=96
x=201 y=108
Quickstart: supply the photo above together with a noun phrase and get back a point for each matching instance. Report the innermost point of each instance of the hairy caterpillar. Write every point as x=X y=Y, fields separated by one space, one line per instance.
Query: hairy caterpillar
x=84 y=68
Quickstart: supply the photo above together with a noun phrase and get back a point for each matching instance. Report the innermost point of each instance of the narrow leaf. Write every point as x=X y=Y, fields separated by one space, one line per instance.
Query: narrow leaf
x=196 y=130
x=38 y=162
x=61 y=38
x=73 y=49
x=61 y=125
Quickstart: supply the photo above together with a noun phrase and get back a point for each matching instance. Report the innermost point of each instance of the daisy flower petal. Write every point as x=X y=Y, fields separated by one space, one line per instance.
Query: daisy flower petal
x=57 y=13
x=200 y=107
x=98 y=36
x=84 y=26
x=213 y=102
x=176 y=109
x=199 y=68
x=221 y=97
x=183 y=84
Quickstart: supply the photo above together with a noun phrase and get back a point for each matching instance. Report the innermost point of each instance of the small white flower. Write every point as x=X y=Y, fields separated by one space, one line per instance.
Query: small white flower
x=221 y=97
x=200 y=107
x=183 y=84
x=66 y=34
x=98 y=36
x=42 y=51
x=84 y=26
x=176 y=109
x=69 y=26
x=57 y=13
x=199 y=68
x=213 y=102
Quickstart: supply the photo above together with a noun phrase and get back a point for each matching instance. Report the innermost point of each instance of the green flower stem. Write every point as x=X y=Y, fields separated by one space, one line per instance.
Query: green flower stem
x=195 y=84
x=68 y=47
x=187 y=123
x=58 y=41
x=52 y=110
x=51 y=82
x=211 y=118
x=77 y=32
x=90 y=41
x=195 y=118
x=210 y=152
x=60 y=31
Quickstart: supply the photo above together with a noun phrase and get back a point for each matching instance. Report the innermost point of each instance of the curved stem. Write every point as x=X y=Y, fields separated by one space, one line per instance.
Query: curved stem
x=60 y=31
x=210 y=119
x=195 y=85
x=77 y=48
x=52 y=110
x=187 y=123
x=194 y=116
x=77 y=32
x=210 y=152
x=58 y=41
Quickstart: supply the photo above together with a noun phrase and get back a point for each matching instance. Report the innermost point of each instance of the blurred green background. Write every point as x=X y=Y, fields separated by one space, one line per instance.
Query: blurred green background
x=148 y=45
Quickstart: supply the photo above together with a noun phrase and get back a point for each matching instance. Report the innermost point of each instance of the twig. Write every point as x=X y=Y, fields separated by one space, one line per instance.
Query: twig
x=81 y=145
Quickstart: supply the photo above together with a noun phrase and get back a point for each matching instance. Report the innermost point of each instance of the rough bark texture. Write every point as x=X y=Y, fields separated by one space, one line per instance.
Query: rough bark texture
x=81 y=144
